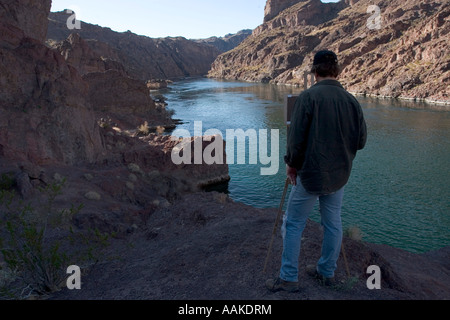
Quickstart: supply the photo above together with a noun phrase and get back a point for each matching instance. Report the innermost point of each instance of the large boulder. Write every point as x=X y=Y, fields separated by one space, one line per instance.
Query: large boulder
x=125 y=100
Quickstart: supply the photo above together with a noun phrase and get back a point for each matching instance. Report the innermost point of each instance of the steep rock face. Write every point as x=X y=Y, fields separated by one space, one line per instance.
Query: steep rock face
x=28 y=15
x=145 y=58
x=80 y=54
x=405 y=58
x=44 y=116
x=113 y=94
x=299 y=13
x=274 y=7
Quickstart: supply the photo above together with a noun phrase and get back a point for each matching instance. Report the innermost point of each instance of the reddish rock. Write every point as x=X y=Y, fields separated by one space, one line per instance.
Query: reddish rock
x=45 y=117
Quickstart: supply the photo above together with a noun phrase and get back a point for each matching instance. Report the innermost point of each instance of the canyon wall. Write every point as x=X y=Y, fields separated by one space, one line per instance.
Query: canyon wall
x=145 y=58
x=405 y=57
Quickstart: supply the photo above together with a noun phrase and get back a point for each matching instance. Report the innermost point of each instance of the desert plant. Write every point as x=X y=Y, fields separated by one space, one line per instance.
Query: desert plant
x=38 y=259
x=144 y=129
x=6 y=181
x=354 y=233
x=160 y=130
x=39 y=264
x=347 y=284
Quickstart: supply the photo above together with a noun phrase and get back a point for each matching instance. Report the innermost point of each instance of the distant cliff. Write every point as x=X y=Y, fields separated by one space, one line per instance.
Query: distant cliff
x=145 y=58
x=407 y=56
x=228 y=42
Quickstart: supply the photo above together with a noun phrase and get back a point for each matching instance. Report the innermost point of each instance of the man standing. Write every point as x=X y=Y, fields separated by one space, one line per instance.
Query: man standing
x=327 y=130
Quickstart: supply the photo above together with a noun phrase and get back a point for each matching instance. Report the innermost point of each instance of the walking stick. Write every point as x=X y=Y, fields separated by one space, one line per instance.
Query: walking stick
x=275 y=229
x=345 y=259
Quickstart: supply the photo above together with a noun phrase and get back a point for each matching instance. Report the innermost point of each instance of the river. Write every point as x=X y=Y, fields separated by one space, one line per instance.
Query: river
x=399 y=190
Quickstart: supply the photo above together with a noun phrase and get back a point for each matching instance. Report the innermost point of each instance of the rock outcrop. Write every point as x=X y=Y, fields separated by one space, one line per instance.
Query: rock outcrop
x=44 y=115
x=124 y=100
x=405 y=58
x=86 y=56
x=29 y=16
x=112 y=92
x=274 y=7
x=145 y=58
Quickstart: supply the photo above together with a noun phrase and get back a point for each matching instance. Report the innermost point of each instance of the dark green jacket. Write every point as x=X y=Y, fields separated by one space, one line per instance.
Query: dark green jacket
x=327 y=129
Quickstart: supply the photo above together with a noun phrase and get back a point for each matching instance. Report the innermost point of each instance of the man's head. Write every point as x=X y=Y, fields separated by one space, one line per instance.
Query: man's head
x=326 y=64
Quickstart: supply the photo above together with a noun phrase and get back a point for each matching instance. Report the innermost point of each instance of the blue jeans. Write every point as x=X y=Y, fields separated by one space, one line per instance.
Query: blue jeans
x=301 y=204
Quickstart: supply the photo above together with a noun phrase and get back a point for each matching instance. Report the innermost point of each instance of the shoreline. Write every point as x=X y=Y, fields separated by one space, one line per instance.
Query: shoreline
x=441 y=105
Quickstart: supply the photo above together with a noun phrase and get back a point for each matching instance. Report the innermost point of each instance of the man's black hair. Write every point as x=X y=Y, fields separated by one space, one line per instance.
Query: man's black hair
x=326 y=64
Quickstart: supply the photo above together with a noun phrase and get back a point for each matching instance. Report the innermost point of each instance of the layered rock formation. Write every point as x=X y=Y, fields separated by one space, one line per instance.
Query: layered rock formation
x=405 y=58
x=145 y=58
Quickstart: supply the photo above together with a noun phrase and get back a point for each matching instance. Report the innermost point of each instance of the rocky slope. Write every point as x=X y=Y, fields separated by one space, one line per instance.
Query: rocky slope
x=406 y=58
x=145 y=58
x=216 y=250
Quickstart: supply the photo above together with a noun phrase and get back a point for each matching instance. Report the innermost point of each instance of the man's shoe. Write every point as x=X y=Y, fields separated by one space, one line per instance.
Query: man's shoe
x=327 y=282
x=279 y=284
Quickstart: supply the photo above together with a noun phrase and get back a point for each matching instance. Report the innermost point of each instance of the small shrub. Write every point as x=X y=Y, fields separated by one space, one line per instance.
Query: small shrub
x=144 y=129
x=354 y=233
x=134 y=168
x=6 y=182
x=160 y=130
x=31 y=253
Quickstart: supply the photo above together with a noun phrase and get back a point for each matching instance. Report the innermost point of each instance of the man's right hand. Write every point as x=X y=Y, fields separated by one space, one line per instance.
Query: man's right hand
x=292 y=175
